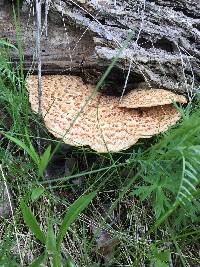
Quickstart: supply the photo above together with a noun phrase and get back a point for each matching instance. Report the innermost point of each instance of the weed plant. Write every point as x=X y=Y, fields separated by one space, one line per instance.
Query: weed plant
x=145 y=199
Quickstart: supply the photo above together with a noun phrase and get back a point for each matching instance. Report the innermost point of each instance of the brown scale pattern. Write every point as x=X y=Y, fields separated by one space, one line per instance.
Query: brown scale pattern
x=102 y=124
x=150 y=97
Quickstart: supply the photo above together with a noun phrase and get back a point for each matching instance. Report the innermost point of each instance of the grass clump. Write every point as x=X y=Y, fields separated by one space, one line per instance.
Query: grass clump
x=145 y=210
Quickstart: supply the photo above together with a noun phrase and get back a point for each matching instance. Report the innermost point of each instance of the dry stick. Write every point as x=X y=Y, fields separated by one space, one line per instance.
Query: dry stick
x=38 y=54
x=12 y=213
x=132 y=59
x=68 y=41
x=38 y=51
x=47 y=4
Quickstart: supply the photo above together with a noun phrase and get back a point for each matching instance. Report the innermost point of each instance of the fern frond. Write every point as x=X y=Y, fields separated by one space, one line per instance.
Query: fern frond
x=189 y=179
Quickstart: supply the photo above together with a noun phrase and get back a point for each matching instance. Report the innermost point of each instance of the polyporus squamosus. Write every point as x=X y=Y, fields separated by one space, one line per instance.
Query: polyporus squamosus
x=102 y=124
x=149 y=98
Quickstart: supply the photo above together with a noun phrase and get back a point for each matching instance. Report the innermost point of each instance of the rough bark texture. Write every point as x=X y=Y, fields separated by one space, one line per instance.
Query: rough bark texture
x=164 y=50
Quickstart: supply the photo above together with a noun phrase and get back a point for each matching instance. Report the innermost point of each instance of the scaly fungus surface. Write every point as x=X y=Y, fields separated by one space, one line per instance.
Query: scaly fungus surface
x=150 y=97
x=102 y=123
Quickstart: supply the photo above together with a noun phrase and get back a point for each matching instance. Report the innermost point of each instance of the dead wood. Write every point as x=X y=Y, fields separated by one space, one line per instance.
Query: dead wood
x=85 y=35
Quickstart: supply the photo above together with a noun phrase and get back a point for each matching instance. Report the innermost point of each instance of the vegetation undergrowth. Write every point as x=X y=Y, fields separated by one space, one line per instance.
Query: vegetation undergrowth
x=139 y=207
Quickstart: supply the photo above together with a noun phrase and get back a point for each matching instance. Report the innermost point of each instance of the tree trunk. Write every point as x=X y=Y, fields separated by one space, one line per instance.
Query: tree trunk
x=83 y=36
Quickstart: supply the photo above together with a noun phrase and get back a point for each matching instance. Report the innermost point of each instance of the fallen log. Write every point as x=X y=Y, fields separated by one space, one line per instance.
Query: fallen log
x=81 y=37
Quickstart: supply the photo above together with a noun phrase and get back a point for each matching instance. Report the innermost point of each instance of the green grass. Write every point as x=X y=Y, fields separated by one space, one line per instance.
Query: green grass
x=146 y=203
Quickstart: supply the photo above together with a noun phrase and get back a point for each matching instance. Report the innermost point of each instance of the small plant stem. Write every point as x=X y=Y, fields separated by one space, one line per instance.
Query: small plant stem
x=114 y=204
x=38 y=53
x=12 y=213
x=162 y=219
x=157 y=224
x=18 y=38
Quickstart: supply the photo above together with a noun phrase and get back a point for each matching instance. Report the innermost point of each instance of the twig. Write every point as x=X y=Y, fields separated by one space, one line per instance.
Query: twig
x=38 y=54
x=38 y=51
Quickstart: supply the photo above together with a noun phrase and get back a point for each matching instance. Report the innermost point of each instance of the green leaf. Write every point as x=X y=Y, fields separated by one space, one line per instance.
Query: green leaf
x=31 y=147
x=51 y=239
x=57 y=260
x=5 y=43
x=159 y=258
x=36 y=193
x=18 y=142
x=70 y=263
x=74 y=210
x=31 y=222
x=159 y=263
x=144 y=191
x=44 y=160
x=161 y=202
x=37 y=262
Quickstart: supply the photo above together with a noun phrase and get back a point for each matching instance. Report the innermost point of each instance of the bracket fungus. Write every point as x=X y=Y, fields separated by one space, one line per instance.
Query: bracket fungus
x=73 y=112
x=150 y=97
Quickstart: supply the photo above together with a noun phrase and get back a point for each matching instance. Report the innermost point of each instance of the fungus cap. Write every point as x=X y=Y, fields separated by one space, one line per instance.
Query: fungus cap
x=150 y=98
x=101 y=123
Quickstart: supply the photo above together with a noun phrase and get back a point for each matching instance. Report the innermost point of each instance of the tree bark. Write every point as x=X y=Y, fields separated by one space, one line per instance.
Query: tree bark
x=82 y=35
